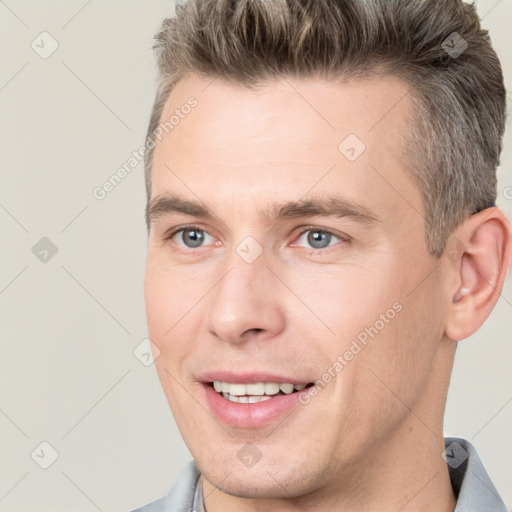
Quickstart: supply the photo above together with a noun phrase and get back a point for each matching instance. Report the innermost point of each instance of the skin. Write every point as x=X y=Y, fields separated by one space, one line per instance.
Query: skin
x=372 y=438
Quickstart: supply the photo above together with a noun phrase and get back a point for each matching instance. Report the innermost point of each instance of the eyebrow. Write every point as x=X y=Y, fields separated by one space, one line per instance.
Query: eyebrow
x=168 y=203
x=330 y=206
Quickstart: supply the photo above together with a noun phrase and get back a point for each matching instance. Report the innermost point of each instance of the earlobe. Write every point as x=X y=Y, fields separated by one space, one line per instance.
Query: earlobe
x=480 y=272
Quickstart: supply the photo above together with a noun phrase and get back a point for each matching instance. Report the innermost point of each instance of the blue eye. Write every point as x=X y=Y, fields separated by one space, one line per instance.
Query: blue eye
x=191 y=237
x=318 y=239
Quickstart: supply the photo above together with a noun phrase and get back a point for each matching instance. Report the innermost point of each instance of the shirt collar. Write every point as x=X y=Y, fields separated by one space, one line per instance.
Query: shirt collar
x=198 y=504
x=470 y=482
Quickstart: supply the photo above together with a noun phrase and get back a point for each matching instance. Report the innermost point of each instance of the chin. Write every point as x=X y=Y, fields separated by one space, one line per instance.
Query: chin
x=265 y=482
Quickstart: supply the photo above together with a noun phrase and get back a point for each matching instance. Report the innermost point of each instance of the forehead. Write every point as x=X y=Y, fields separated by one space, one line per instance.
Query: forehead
x=288 y=137
x=369 y=107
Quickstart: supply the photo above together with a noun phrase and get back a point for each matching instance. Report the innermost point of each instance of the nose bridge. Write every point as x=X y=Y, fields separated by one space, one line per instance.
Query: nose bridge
x=241 y=301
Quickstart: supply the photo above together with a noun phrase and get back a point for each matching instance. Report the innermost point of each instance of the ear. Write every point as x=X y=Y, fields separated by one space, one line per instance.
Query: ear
x=480 y=253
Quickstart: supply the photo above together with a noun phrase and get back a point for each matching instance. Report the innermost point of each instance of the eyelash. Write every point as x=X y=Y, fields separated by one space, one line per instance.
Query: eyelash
x=315 y=229
x=173 y=232
x=341 y=237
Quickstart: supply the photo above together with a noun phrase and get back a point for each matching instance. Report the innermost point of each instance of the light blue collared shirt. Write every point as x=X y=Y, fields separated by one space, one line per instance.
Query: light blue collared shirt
x=471 y=485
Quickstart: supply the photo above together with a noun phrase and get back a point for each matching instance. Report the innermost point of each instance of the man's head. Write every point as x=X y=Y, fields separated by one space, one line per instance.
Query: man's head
x=307 y=222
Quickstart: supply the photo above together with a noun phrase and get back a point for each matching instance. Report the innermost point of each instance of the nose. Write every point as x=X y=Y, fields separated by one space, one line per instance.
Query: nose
x=245 y=304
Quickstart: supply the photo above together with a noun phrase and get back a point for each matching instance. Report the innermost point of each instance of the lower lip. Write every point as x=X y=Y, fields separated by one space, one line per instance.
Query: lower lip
x=256 y=415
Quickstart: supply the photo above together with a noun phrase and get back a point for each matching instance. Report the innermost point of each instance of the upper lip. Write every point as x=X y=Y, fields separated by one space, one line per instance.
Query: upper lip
x=249 y=377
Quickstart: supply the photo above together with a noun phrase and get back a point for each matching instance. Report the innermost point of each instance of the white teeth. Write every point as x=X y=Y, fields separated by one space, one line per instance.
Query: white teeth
x=237 y=389
x=256 y=389
x=246 y=399
x=286 y=388
x=271 y=388
x=256 y=399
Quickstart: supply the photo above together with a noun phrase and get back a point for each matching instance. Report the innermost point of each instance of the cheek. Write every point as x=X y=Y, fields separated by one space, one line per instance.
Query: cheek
x=345 y=299
x=397 y=363
x=170 y=301
x=374 y=323
x=158 y=299
x=172 y=319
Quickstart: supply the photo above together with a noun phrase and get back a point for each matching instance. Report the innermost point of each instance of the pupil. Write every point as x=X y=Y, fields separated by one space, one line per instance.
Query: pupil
x=192 y=237
x=319 y=239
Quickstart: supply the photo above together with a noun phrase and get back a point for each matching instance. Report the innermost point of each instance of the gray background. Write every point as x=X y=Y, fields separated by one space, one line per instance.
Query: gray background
x=69 y=325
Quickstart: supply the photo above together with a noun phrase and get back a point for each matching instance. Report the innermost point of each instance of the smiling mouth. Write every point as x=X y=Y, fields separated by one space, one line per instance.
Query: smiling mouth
x=255 y=392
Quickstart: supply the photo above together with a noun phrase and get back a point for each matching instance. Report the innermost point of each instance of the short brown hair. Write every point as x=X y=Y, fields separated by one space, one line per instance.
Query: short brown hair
x=459 y=97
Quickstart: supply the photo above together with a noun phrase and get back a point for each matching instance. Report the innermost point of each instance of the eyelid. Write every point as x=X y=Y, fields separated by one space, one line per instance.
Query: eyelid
x=304 y=229
x=178 y=229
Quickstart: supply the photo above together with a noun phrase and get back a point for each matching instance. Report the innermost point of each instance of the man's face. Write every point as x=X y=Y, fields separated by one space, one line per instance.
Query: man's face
x=264 y=290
